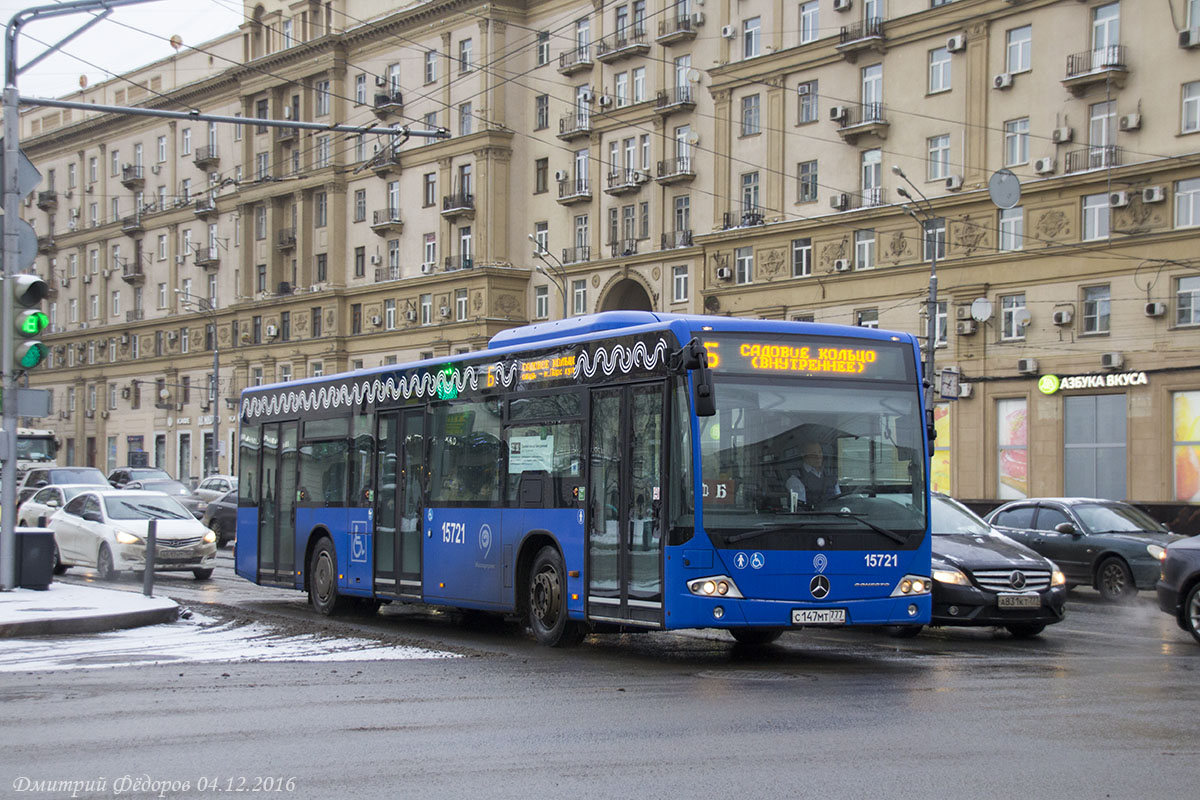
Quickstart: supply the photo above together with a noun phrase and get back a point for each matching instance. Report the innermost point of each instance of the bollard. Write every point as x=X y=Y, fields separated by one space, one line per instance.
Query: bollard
x=151 y=546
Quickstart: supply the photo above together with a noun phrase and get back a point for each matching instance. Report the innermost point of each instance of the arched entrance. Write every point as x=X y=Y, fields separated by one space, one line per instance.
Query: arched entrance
x=627 y=295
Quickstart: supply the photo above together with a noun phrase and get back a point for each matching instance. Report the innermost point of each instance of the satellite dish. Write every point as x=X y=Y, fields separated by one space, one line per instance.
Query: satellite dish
x=1022 y=317
x=981 y=309
x=1004 y=188
x=176 y=41
x=83 y=81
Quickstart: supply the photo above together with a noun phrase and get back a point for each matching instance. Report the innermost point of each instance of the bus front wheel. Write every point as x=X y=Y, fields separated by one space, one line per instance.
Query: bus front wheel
x=322 y=580
x=548 y=601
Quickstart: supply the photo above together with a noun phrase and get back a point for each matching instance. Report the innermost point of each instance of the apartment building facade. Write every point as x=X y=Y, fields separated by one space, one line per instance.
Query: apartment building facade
x=718 y=157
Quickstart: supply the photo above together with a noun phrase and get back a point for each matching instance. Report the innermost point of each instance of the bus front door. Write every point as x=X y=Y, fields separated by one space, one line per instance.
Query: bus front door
x=277 y=506
x=400 y=460
x=625 y=493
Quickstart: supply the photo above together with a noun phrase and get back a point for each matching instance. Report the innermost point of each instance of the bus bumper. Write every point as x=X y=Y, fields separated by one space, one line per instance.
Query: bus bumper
x=690 y=611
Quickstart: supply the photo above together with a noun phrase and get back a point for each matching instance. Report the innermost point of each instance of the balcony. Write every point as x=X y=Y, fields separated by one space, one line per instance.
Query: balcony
x=135 y=316
x=574 y=190
x=46 y=244
x=625 y=181
x=387 y=104
x=386 y=221
x=576 y=59
x=459 y=204
x=573 y=125
x=1096 y=67
x=206 y=157
x=868 y=198
x=48 y=200
x=681 y=28
x=861 y=37
x=1093 y=158
x=672 y=240
x=576 y=255
x=676 y=98
x=747 y=217
x=132 y=224
x=286 y=239
x=624 y=247
x=867 y=119
x=455 y=263
x=389 y=273
x=131 y=273
x=287 y=135
x=626 y=43
x=385 y=162
x=675 y=170
x=208 y=258
x=132 y=176
x=205 y=207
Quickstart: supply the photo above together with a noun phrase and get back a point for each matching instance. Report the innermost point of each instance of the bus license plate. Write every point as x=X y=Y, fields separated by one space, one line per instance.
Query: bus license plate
x=1020 y=601
x=818 y=616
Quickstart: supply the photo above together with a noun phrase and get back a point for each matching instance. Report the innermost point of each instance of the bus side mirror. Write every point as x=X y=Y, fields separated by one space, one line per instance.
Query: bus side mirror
x=693 y=356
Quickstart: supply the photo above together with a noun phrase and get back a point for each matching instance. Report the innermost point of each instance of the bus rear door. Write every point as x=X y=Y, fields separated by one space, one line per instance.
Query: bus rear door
x=400 y=459
x=277 y=504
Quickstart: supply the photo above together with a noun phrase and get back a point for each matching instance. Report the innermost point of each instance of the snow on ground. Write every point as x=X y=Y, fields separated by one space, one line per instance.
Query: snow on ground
x=199 y=639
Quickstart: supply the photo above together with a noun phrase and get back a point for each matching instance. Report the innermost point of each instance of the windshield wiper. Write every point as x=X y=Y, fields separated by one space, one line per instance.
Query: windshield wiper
x=741 y=537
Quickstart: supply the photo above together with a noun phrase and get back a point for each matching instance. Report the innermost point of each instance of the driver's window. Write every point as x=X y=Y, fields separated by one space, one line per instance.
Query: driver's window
x=91 y=506
x=76 y=506
x=45 y=496
x=1049 y=517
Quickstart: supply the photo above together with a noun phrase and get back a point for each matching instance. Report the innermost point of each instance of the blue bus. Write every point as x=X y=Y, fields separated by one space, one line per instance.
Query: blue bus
x=616 y=472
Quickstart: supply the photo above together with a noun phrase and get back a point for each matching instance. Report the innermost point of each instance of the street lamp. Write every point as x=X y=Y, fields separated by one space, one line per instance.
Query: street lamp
x=557 y=273
x=206 y=307
x=913 y=208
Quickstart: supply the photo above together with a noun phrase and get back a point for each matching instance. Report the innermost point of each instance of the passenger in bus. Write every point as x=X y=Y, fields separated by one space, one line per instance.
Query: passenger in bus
x=815 y=481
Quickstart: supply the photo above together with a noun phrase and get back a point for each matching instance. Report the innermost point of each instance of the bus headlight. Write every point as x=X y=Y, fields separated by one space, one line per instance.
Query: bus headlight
x=950 y=575
x=716 y=586
x=911 y=585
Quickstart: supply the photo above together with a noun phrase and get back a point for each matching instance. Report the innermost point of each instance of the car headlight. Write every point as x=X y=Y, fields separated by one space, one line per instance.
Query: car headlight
x=124 y=537
x=950 y=575
x=209 y=537
x=911 y=585
x=1057 y=578
x=1156 y=551
x=716 y=586
x=201 y=508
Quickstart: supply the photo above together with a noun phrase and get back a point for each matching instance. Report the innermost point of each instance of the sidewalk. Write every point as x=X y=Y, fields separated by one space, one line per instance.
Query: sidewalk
x=68 y=608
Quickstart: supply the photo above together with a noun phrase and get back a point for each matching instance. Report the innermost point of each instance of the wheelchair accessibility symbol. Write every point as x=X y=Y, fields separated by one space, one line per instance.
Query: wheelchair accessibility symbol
x=758 y=560
x=358 y=548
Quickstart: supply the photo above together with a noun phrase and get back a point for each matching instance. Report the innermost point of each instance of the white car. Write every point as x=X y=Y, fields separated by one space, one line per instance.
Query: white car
x=35 y=511
x=106 y=529
x=214 y=487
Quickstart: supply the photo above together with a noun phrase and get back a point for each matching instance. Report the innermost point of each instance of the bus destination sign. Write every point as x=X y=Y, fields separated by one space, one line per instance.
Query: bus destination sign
x=804 y=356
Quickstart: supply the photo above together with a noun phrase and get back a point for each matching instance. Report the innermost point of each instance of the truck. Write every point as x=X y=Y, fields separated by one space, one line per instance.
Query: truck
x=35 y=448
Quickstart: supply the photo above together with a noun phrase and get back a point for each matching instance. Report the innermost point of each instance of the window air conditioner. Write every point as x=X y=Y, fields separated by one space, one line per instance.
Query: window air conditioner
x=272 y=331
x=1130 y=122
x=1153 y=194
x=728 y=32
x=1062 y=135
x=1043 y=166
x=841 y=265
x=1027 y=366
x=697 y=19
x=962 y=312
x=841 y=5
x=605 y=101
x=837 y=113
x=1189 y=38
x=376 y=260
x=1002 y=81
x=724 y=273
x=965 y=327
x=1112 y=360
x=376 y=320
x=956 y=44
x=954 y=183
x=1155 y=309
x=380 y=80
x=427 y=268
x=1062 y=317
x=444 y=311
x=839 y=201
x=587 y=96
x=1118 y=199
x=410 y=315
x=560 y=175
x=966 y=390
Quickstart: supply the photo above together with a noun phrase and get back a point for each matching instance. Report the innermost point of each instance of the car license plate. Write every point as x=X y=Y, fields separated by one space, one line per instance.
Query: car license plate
x=168 y=555
x=818 y=616
x=1020 y=601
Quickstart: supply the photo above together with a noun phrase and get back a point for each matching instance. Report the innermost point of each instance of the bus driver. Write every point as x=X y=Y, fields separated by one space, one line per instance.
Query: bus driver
x=812 y=483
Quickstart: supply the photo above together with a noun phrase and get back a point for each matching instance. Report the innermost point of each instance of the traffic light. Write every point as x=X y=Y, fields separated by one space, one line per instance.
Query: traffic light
x=28 y=322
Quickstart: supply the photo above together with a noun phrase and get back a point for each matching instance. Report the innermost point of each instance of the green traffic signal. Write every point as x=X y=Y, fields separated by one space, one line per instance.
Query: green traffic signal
x=30 y=354
x=28 y=322
x=31 y=323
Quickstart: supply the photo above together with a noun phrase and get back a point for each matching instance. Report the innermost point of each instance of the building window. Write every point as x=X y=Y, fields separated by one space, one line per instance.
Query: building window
x=801 y=257
x=541 y=302
x=465 y=48
x=1187 y=203
x=1013 y=316
x=315 y=316
x=934 y=245
x=1018 y=49
x=939 y=70
x=285 y=325
x=810 y=22
x=426 y=305
x=541 y=176
x=322 y=104
x=743 y=264
x=867 y=318
x=806 y=174
x=579 y=296
x=639 y=84
x=464 y=119
x=429 y=190
x=460 y=304
x=1012 y=228
x=541 y=112
x=360 y=205
x=1012 y=448
x=389 y=314
x=679 y=284
x=541 y=237
x=1187 y=300
x=1016 y=142
x=360 y=89
x=260 y=222
x=322 y=267
x=355 y=318
x=941 y=323
x=939 y=157
x=543 y=48
x=864 y=249
x=1191 y=107
x=807 y=93
x=1186 y=441
x=1096 y=301
x=750 y=115
x=360 y=262
x=321 y=212
x=1095 y=216
x=751 y=37
x=431 y=62
x=749 y=193
x=322 y=154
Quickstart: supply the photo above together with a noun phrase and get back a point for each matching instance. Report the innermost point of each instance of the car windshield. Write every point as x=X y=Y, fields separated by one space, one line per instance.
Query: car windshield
x=147 y=473
x=950 y=516
x=88 y=475
x=800 y=455
x=1115 y=518
x=144 y=507
x=166 y=487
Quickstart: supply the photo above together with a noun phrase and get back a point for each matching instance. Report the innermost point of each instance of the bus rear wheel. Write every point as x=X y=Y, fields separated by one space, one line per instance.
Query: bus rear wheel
x=322 y=580
x=548 y=603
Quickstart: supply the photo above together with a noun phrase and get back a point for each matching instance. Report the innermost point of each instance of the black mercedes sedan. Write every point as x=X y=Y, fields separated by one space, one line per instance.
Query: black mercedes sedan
x=981 y=577
x=1110 y=545
x=1179 y=588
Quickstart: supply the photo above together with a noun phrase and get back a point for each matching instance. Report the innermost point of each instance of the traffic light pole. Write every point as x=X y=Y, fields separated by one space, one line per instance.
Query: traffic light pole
x=8 y=439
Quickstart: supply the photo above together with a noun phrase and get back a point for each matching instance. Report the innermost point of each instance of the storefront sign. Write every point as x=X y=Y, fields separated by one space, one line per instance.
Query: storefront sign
x=1049 y=384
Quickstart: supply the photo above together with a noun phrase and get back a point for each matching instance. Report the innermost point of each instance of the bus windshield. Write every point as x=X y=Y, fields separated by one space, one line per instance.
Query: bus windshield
x=36 y=448
x=813 y=456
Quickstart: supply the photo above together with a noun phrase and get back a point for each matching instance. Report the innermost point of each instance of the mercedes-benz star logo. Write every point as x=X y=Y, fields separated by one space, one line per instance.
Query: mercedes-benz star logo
x=1017 y=579
x=819 y=586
